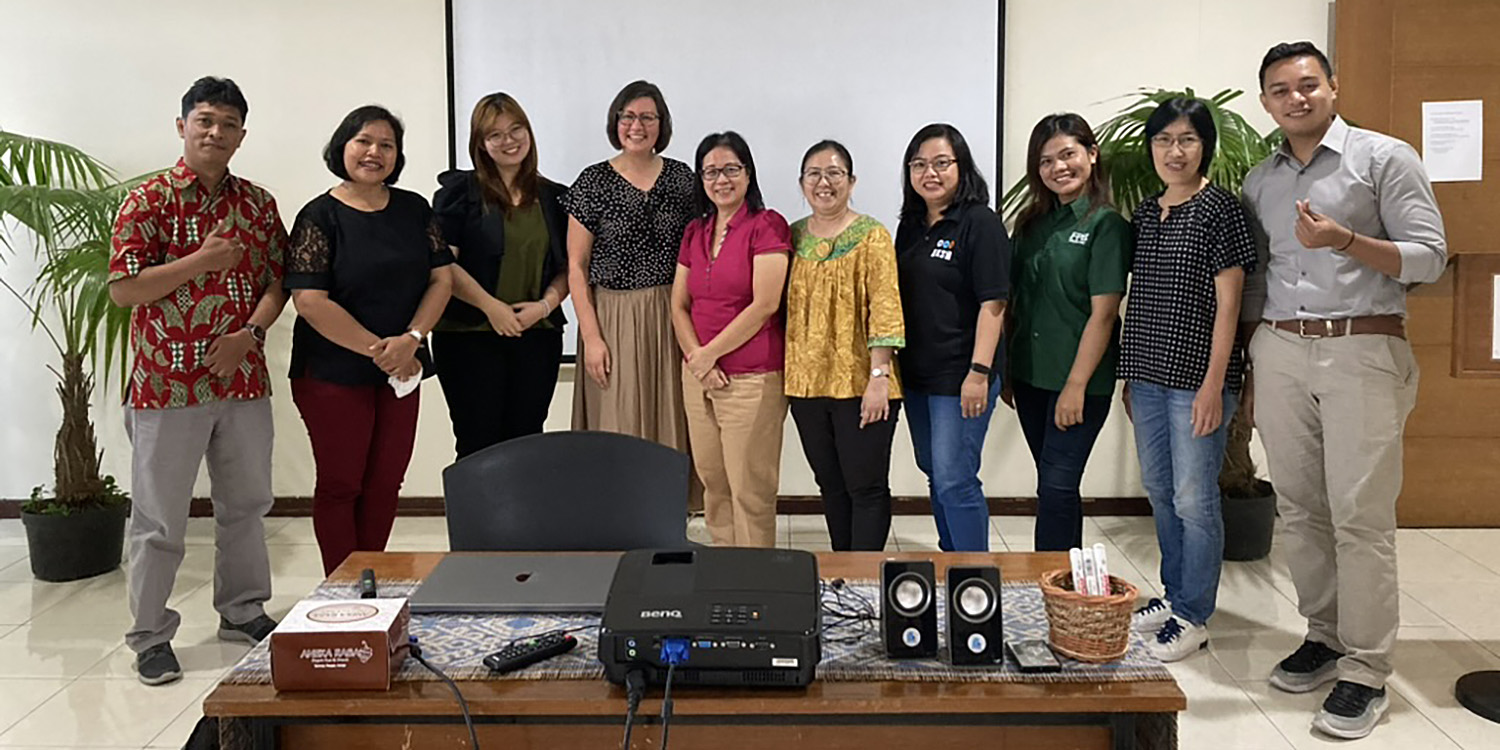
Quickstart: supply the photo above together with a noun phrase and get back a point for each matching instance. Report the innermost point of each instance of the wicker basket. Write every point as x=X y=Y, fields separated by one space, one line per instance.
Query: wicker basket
x=1088 y=628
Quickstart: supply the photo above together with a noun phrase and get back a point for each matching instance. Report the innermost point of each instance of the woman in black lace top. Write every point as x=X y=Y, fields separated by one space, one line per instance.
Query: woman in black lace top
x=367 y=273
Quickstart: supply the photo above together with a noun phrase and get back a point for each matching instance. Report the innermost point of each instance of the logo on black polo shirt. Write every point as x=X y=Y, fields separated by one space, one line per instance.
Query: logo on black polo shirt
x=943 y=250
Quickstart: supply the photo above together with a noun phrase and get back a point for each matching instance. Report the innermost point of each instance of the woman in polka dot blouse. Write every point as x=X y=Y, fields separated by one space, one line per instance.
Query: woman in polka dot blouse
x=1182 y=367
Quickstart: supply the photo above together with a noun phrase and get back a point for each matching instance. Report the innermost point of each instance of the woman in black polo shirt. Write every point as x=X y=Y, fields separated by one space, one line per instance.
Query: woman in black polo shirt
x=499 y=344
x=1072 y=256
x=1181 y=366
x=368 y=274
x=951 y=254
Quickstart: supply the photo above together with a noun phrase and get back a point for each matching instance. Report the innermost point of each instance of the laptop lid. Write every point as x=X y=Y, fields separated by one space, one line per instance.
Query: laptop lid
x=555 y=582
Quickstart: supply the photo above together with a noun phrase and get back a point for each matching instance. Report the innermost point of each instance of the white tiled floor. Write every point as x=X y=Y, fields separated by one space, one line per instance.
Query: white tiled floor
x=67 y=679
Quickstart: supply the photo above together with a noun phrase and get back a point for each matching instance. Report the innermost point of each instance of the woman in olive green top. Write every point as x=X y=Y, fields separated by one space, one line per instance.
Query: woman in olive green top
x=1067 y=277
x=499 y=344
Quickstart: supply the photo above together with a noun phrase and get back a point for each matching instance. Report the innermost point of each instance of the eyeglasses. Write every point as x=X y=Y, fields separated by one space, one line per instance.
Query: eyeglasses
x=940 y=164
x=629 y=118
x=834 y=175
x=516 y=132
x=1186 y=142
x=728 y=170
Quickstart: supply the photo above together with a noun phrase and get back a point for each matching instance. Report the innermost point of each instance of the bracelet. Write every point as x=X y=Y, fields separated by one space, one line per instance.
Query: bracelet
x=414 y=333
x=1353 y=235
x=980 y=368
x=546 y=306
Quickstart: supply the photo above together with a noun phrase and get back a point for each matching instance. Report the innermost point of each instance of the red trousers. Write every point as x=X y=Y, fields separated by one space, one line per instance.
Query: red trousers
x=362 y=438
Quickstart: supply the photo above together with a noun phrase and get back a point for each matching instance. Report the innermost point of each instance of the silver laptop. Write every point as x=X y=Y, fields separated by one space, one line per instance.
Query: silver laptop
x=505 y=583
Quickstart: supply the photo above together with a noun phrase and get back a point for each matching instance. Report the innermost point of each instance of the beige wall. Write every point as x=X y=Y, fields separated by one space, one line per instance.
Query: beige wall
x=106 y=76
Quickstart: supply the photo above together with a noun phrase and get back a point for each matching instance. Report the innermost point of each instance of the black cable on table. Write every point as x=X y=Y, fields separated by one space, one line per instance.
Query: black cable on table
x=416 y=653
x=666 y=707
x=635 y=689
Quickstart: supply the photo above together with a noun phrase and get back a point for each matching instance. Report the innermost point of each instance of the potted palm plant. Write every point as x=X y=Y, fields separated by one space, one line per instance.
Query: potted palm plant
x=61 y=203
x=1249 y=502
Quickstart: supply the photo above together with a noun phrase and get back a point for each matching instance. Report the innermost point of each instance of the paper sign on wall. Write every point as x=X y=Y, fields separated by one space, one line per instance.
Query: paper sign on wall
x=1453 y=140
x=1495 y=325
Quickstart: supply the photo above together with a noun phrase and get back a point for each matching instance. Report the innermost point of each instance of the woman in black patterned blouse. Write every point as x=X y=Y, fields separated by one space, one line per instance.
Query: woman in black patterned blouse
x=368 y=275
x=1182 y=366
x=626 y=219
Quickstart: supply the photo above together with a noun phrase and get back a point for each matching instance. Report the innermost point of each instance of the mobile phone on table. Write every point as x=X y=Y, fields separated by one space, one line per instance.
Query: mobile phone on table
x=1034 y=656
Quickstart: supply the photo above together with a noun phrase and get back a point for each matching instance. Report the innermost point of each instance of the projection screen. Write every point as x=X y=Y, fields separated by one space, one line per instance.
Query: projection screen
x=783 y=73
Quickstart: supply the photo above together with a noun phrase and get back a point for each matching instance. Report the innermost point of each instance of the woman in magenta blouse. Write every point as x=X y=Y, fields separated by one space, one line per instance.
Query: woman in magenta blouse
x=726 y=311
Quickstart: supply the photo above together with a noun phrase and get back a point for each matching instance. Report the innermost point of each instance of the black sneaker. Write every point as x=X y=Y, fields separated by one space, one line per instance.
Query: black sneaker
x=1351 y=711
x=1313 y=664
x=158 y=665
x=251 y=632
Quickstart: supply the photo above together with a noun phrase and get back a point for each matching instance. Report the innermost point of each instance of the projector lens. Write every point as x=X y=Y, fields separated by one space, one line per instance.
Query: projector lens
x=910 y=595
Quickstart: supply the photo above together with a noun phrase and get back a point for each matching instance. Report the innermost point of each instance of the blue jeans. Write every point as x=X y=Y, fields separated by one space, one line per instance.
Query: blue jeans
x=1181 y=476
x=948 y=448
x=1060 y=456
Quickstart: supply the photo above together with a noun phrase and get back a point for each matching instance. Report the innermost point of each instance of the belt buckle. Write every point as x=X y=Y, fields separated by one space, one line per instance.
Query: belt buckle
x=1302 y=328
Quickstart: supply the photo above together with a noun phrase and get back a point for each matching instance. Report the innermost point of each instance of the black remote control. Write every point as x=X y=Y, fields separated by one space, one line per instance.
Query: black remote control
x=530 y=651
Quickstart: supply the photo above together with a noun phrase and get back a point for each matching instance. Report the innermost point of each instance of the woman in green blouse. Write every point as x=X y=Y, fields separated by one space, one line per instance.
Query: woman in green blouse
x=1068 y=275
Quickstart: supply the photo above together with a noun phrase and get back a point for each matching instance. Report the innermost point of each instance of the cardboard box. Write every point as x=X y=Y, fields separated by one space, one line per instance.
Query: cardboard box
x=344 y=644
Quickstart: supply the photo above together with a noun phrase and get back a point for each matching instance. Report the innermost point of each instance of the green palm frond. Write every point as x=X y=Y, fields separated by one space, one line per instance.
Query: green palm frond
x=1123 y=147
x=64 y=202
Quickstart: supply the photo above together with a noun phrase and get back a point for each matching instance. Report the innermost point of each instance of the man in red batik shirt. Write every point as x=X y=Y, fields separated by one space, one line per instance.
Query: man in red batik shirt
x=198 y=256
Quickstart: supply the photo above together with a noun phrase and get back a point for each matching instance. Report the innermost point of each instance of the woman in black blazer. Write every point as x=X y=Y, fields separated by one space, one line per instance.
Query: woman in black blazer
x=499 y=344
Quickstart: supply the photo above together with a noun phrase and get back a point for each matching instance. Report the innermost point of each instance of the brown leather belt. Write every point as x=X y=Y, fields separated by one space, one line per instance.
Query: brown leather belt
x=1387 y=325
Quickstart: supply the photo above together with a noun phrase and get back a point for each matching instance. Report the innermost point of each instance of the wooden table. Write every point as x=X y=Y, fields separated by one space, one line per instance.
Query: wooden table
x=525 y=714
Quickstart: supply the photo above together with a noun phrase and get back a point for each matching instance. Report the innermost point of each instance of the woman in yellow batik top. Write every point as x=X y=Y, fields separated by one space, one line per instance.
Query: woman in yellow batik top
x=843 y=326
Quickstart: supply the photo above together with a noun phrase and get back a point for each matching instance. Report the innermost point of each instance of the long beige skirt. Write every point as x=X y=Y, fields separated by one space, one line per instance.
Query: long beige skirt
x=644 y=393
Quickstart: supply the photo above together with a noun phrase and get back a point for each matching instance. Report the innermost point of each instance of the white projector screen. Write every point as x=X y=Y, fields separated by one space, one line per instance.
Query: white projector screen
x=783 y=73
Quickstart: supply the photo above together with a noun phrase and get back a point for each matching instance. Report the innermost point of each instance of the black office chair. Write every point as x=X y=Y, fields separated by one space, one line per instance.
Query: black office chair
x=568 y=491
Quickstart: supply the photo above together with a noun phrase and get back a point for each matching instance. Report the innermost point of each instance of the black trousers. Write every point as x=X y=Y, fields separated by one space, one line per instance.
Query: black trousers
x=497 y=387
x=852 y=466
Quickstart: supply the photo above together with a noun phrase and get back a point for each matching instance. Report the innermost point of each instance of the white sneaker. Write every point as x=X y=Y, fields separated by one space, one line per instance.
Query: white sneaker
x=1150 y=618
x=1178 y=639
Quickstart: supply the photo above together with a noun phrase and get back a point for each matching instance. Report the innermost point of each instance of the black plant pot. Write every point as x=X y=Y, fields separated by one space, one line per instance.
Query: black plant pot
x=1249 y=524
x=80 y=545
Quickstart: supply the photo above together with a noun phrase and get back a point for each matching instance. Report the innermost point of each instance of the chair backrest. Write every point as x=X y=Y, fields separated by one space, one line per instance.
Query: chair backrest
x=568 y=491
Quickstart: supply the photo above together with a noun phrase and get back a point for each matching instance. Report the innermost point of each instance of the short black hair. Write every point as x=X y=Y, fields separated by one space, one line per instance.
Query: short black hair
x=637 y=90
x=1288 y=50
x=971 y=185
x=333 y=153
x=731 y=140
x=1197 y=115
x=216 y=91
x=825 y=145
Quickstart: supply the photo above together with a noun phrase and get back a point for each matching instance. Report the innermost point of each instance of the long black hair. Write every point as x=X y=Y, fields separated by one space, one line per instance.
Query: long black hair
x=971 y=185
x=702 y=205
x=1040 y=200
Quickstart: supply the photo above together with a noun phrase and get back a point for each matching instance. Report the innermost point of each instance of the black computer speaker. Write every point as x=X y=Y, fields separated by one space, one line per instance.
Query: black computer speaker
x=908 y=609
x=975 y=634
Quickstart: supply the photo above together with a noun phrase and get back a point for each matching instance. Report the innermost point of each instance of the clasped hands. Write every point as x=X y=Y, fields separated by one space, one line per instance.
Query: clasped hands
x=396 y=356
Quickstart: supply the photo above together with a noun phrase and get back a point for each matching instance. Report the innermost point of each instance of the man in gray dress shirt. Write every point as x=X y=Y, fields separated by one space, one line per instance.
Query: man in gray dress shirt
x=1349 y=221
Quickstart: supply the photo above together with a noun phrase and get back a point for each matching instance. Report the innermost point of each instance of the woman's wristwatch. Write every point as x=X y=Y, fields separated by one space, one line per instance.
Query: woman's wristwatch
x=981 y=368
x=879 y=372
x=257 y=333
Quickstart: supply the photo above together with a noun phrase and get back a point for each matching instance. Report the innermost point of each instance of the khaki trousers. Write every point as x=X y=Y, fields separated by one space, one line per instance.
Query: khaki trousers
x=735 y=434
x=1331 y=413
